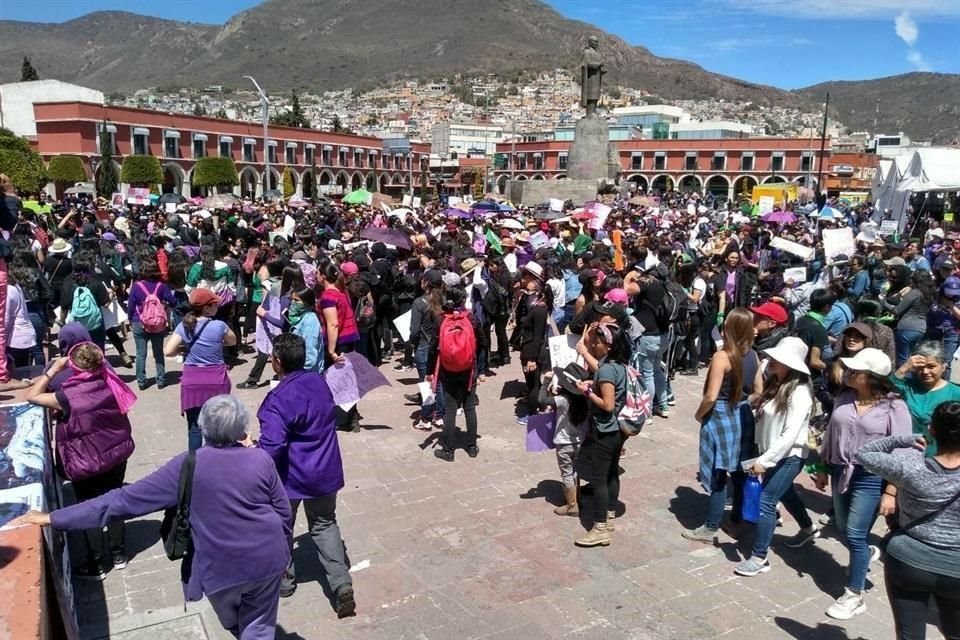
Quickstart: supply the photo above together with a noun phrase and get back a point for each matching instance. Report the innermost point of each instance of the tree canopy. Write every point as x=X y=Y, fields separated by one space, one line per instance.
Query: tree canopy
x=141 y=170
x=107 y=178
x=66 y=170
x=215 y=172
x=27 y=72
x=294 y=117
x=22 y=164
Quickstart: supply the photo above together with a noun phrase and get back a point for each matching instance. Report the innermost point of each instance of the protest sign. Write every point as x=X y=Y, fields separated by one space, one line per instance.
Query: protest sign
x=402 y=325
x=342 y=380
x=169 y=207
x=889 y=227
x=838 y=242
x=541 y=428
x=795 y=275
x=556 y=204
x=765 y=205
x=427 y=396
x=367 y=376
x=563 y=350
x=600 y=212
x=538 y=240
x=792 y=247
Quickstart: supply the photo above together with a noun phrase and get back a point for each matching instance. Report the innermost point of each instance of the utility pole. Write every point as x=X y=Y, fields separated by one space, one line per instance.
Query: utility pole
x=513 y=150
x=265 y=104
x=823 y=146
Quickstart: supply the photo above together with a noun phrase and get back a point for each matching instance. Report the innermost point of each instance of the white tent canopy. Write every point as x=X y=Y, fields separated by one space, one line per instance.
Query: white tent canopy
x=932 y=170
x=879 y=178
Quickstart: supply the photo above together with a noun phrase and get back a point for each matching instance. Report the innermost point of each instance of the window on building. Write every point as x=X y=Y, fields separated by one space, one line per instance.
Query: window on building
x=562 y=162
x=690 y=162
x=308 y=153
x=746 y=162
x=719 y=162
x=199 y=148
x=522 y=161
x=776 y=163
x=806 y=161
x=538 y=162
x=636 y=162
x=325 y=155
x=385 y=161
x=249 y=152
x=171 y=147
x=272 y=154
x=660 y=162
x=111 y=136
x=357 y=159
x=372 y=161
x=291 y=155
x=226 y=149
x=140 y=145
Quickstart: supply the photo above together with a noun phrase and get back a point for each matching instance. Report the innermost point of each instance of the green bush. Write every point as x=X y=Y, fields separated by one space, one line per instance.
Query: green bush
x=141 y=171
x=22 y=164
x=215 y=172
x=66 y=170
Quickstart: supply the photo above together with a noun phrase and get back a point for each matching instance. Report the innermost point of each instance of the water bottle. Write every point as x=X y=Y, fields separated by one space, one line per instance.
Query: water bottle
x=752 y=489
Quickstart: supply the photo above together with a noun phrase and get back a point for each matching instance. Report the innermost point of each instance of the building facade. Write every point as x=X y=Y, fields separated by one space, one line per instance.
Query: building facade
x=460 y=139
x=338 y=163
x=724 y=167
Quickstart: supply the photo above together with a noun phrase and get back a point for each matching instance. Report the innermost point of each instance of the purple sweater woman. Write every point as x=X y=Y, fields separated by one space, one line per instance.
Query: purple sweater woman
x=239 y=521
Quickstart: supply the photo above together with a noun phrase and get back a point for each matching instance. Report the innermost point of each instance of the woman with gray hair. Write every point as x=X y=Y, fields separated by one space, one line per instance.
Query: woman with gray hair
x=920 y=381
x=240 y=522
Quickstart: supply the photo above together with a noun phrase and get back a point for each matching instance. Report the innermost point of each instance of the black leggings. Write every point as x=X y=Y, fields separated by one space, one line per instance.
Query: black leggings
x=532 y=378
x=909 y=590
x=94 y=487
x=604 y=451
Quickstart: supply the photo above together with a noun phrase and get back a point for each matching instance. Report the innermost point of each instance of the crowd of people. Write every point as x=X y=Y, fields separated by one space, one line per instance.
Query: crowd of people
x=834 y=364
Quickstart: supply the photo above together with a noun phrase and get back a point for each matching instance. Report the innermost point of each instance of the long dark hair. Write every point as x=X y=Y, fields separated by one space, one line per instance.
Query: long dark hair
x=618 y=344
x=291 y=280
x=208 y=260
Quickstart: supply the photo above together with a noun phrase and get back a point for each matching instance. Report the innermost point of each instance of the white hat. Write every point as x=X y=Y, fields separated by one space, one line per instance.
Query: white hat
x=872 y=360
x=790 y=352
x=534 y=269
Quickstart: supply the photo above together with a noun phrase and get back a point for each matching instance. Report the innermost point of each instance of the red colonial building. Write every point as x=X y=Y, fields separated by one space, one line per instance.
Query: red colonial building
x=341 y=162
x=724 y=166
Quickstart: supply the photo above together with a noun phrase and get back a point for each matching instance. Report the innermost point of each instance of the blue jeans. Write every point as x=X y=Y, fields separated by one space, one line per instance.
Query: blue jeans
x=141 y=339
x=435 y=410
x=854 y=513
x=39 y=328
x=651 y=368
x=906 y=341
x=194 y=435
x=718 y=498
x=778 y=487
x=950 y=342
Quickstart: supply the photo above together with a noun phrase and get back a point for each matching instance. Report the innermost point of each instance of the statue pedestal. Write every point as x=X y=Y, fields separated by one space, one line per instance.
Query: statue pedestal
x=533 y=192
x=592 y=156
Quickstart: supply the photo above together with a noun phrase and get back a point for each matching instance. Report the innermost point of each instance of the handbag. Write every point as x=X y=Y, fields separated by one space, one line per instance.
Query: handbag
x=196 y=336
x=175 y=528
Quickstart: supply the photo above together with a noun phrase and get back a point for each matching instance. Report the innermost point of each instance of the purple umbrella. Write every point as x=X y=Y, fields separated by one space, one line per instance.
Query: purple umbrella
x=780 y=217
x=387 y=236
x=452 y=212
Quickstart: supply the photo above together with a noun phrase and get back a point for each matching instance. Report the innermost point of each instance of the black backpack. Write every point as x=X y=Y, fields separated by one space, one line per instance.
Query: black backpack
x=496 y=303
x=673 y=307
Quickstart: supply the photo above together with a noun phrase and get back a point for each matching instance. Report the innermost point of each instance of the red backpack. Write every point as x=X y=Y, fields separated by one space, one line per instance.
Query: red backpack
x=457 y=344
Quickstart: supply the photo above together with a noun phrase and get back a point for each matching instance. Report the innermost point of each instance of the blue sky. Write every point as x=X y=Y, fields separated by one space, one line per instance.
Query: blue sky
x=786 y=43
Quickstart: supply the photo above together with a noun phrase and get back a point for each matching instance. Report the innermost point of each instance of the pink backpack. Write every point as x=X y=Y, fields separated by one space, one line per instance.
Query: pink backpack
x=153 y=314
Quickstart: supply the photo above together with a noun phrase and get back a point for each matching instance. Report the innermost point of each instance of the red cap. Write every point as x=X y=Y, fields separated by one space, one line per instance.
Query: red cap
x=771 y=310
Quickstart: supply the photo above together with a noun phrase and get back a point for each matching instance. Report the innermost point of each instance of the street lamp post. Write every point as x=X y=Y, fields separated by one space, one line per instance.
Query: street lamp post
x=410 y=174
x=265 y=103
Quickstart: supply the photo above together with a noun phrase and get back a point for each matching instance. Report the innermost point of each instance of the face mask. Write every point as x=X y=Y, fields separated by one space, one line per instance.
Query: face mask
x=295 y=312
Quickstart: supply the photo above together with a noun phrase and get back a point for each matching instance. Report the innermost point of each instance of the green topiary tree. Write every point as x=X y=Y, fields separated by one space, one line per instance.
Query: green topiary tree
x=220 y=173
x=310 y=184
x=107 y=178
x=288 y=188
x=22 y=164
x=66 y=170
x=141 y=171
x=27 y=72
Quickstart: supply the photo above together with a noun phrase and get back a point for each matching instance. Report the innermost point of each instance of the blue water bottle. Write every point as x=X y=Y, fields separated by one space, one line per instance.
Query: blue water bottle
x=752 y=489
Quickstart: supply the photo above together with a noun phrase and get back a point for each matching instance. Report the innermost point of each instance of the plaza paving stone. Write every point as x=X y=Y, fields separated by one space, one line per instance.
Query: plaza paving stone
x=472 y=549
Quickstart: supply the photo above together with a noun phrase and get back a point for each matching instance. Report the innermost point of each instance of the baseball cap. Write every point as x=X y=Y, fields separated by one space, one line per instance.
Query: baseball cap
x=617 y=296
x=203 y=297
x=895 y=262
x=433 y=277
x=951 y=288
x=861 y=328
x=771 y=310
x=349 y=268
x=872 y=360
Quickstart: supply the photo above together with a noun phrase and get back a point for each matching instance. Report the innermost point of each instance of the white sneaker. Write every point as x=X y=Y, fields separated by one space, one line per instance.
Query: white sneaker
x=848 y=605
x=874 y=553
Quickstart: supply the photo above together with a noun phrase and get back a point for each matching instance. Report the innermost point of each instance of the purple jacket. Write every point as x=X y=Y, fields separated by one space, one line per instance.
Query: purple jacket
x=239 y=520
x=95 y=437
x=297 y=429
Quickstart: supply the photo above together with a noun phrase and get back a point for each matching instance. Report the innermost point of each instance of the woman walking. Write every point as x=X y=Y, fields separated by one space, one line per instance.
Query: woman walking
x=201 y=340
x=734 y=373
x=340 y=330
x=783 y=421
x=868 y=410
x=149 y=287
x=424 y=322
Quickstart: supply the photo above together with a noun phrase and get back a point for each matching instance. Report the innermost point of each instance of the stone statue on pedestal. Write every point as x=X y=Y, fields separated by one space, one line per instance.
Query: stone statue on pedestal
x=591 y=76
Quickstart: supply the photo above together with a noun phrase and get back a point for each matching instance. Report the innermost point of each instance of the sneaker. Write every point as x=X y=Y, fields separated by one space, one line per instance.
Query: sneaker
x=288 y=593
x=848 y=605
x=119 y=558
x=803 y=537
x=459 y=411
x=413 y=398
x=779 y=518
x=400 y=367
x=671 y=400
x=752 y=566
x=826 y=519
x=874 y=553
x=473 y=451
x=346 y=605
x=438 y=422
x=422 y=425
x=663 y=412
x=522 y=420
x=701 y=534
x=648 y=422
x=90 y=570
x=248 y=384
x=444 y=454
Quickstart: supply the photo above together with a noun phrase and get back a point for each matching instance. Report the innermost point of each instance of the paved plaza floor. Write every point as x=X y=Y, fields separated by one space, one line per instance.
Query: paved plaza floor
x=472 y=549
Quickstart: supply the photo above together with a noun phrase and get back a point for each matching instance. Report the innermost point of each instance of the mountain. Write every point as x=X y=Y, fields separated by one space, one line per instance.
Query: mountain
x=925 y=106
x=332 y=44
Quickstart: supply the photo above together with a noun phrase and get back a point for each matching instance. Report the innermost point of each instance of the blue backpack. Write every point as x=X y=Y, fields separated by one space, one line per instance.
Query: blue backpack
x=85 y=309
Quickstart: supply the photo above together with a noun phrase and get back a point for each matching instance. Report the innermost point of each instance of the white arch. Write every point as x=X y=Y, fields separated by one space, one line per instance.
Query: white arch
x=537 y=177
x=345 y=178
x=771 y=179
x=329 y=176
x=560 y=176
x=678 y=184
x=248 y=174
x=502 y=184
x=179 y=176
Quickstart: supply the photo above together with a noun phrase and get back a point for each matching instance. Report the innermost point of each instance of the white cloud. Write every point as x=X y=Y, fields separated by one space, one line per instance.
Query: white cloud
x=915 y=58
x=906 y=28
x=849 y=9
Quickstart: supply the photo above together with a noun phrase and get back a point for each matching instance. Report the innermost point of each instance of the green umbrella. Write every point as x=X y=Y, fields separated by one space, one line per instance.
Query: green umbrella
x=494 y=242
x=581 y=243
x=360 y=196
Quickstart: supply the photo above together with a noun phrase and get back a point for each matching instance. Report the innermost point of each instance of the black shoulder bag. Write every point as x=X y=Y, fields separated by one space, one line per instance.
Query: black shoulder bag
x=175 y=528
x=196 y=336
